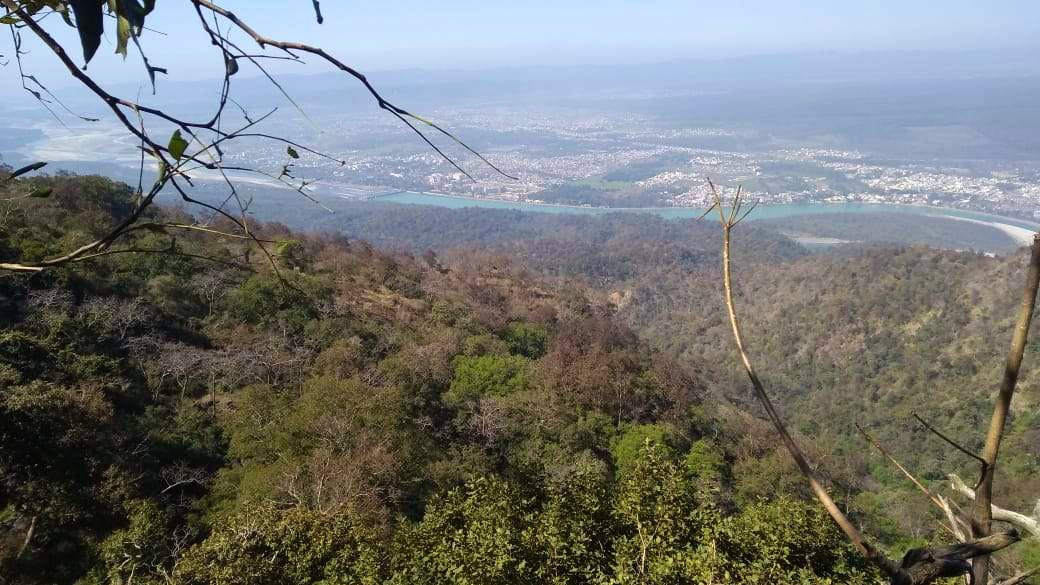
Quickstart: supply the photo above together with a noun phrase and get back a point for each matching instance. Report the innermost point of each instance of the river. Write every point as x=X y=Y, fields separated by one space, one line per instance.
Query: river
x=1020 y=230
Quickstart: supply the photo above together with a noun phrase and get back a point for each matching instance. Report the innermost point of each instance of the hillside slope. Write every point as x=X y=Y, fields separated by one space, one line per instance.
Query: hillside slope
x=198 y=412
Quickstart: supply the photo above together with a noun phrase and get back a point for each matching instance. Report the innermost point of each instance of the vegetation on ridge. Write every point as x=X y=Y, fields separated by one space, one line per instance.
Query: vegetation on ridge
x=369 y=417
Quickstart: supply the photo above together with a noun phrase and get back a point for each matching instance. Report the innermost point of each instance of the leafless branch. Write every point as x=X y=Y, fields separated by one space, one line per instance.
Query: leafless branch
x=953 y=443
x=207 y=137
x=939 y=502
x=400 y=113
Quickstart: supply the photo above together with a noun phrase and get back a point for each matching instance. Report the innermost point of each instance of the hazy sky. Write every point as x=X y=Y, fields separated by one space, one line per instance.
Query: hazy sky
x=472 y=33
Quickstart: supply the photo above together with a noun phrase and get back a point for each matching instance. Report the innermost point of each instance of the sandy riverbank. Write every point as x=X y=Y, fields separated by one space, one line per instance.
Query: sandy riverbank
x=1021 y=235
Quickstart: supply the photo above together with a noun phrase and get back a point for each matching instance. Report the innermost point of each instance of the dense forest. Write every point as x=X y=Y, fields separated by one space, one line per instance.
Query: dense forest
x=548 y=404
x=866 y=334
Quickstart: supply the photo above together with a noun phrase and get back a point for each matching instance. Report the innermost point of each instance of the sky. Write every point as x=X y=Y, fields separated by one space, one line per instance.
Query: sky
x=442 y=34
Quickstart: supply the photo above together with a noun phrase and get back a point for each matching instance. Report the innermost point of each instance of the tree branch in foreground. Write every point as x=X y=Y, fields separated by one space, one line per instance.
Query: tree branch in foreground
x=982 y=514
x=920 y=566
x=954 y=526
x=950 y=441
x=195 y=144
x=1020 y=521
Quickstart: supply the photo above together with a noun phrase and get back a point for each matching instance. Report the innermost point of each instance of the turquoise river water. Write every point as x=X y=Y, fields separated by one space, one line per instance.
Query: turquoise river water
x=774 y=211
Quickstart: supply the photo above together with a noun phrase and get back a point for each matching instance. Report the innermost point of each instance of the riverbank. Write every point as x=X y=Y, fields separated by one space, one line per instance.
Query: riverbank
x=1021 y=235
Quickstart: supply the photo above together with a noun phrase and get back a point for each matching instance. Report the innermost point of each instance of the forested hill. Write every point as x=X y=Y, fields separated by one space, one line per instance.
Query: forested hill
x=548 y=408
x=857 y=334
x=197 y=412
x=869 y=336
x=602 y=248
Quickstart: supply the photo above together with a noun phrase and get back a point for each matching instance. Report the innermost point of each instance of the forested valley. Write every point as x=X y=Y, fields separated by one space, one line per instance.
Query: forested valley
x=479 y=397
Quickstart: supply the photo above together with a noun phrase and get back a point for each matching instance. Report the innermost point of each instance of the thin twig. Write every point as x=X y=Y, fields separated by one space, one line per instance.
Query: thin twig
x=953 y=443
x=400 y=113
x=939 y=503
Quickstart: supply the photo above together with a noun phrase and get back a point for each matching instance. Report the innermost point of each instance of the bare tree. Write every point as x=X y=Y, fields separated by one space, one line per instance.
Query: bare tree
x=48 y=308
x=182 y=474
x=487 y=419
x=113 y=317
x=919 y=566
x=194 y=145
x=211 y=287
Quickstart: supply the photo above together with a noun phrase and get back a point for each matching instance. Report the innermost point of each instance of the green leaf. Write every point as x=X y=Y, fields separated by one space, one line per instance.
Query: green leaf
x=63 y=10
x=27 y=169
x=292 y=152
x=135 y=13
x=90 y=25
x=9 y=20
x=285 y=247
x=41 y=193
x=177 y=145
x=123 y=33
